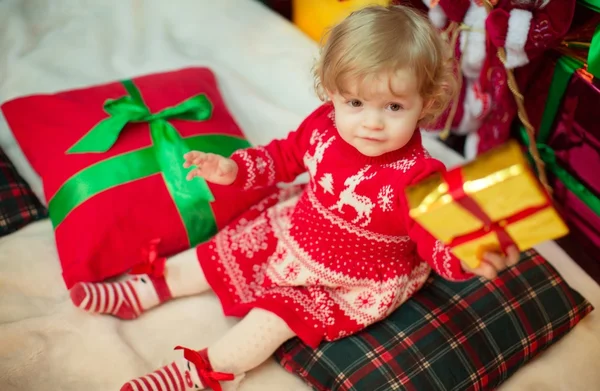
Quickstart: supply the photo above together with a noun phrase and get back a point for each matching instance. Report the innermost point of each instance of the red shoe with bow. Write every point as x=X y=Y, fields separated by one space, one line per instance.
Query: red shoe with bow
x=193 y=372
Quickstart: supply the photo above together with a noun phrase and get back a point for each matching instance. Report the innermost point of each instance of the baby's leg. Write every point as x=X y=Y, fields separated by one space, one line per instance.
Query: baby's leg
x=129 y=298
x=247 y=345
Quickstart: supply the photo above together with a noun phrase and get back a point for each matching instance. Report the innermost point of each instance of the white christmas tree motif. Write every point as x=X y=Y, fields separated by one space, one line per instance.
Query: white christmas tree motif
x=385 y=197
x=326 y=183
x=365 y=300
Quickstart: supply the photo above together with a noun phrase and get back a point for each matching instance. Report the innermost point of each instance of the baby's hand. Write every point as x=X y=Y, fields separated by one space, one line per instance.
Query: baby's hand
x=214 y=168
x=493 y=263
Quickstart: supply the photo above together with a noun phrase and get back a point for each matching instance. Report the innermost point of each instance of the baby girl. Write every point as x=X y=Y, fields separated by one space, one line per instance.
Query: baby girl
x=323 y=261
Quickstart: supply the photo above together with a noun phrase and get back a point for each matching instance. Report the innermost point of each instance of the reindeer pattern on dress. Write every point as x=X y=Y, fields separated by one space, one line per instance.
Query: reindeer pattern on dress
x=362 y=204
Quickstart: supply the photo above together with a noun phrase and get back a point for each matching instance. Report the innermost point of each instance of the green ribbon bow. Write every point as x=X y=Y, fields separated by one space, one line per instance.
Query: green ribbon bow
x=565 y=68
x=165 y=156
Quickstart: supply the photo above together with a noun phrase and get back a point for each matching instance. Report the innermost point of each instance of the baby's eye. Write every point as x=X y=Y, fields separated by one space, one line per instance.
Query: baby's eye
x=395 y=107
x=355 y=103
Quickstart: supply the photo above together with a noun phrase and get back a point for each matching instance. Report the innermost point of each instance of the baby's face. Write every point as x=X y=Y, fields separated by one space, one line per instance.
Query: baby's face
x=380 y=121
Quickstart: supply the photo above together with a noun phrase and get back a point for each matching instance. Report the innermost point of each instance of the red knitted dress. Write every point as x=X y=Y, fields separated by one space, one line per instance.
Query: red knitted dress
x=336 y=255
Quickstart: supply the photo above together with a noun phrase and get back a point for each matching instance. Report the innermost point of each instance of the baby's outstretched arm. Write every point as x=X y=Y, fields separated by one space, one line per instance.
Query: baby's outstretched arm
x=279 y=161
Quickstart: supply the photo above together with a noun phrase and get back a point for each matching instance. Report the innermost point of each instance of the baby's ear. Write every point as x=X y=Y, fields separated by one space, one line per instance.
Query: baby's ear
x=427 y=106
x=329 y=95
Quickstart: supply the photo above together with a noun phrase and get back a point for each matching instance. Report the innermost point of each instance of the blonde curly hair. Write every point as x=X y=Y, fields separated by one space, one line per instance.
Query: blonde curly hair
x=383 y=39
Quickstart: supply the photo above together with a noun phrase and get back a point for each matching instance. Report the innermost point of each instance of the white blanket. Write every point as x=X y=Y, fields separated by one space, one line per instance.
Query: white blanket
x=263 y=66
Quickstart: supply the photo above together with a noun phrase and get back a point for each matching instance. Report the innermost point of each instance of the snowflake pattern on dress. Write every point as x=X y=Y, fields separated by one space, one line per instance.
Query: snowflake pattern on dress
x=253 y=238
x=261 y=165
x=278 y=256
x=292 y=270
x=365 y=300
x=385 y=198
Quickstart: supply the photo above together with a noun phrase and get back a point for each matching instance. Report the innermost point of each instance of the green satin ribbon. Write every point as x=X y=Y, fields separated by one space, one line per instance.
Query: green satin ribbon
x=591 y=4
x=594 y=53
x=570 y=182
x=165 y=156
x=563 y=72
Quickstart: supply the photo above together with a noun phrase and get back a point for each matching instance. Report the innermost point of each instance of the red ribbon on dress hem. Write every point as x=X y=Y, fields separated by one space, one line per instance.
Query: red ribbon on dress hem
x=208 y=377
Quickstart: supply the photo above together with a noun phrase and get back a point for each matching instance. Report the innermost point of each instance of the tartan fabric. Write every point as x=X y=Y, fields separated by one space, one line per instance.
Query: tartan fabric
x=18 y=204
x=450 y=336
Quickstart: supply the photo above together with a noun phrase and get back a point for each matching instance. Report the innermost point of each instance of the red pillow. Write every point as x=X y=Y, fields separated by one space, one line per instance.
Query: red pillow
x=110 y=158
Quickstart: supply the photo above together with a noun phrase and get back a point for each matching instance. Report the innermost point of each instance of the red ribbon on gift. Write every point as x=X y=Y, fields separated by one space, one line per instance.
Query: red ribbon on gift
x=455 y=181
x=208 y=377
x=153 y=265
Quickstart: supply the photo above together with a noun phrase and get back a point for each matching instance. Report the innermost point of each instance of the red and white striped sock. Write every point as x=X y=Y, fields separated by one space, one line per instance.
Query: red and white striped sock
x=126 y=299
x=180 y=375
x=192 y=372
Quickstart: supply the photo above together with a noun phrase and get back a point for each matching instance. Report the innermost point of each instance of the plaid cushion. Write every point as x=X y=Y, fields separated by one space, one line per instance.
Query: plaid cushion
x=450 y=336
x=18 y=205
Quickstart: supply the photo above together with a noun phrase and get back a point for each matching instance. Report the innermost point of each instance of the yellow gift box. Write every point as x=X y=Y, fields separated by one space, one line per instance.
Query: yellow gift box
x=486 y=205
x=315 y=16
